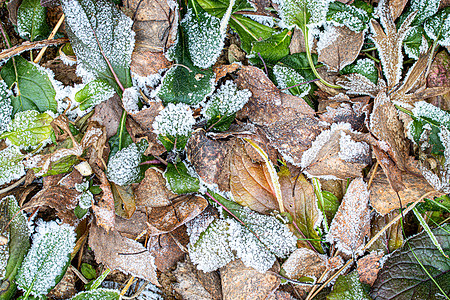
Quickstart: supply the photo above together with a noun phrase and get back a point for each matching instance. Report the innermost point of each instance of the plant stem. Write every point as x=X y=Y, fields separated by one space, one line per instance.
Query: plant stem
x=372 y=58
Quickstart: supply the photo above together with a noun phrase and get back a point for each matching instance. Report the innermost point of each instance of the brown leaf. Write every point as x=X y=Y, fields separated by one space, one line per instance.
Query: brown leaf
x=344 y=113
x=396 y=7
x=241 y=282
x=152 y=190
x=392 y=238
x=64 y=73
x=166 y=250
x=384 y=199
x=368 y=267
x=192 y=286
x=117 y=252
x=336 y=155
x=280 y=295
x=390 y=168
x=108 y=114
x=65 y=289
x=351 y=224
x=357 y=84
x=146 y=62
x=104 y=210
x=13 y=6
x=132 y=227
x=124 y=200
x=287 y=121
x=305 y=262
x=343 y=50
x=223 y=70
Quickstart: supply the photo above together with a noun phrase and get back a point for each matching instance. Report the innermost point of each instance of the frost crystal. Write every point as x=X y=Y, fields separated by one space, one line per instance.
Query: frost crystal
x=146 y=83
x=5 y=106
x=31 y=19
x=290 y=9
x=47 y=258
x=350 y=16
x=98 y=294
x=351 y=151
x=287 y=77
x=424 y=109
x=226 y=101
x=205 y=41
x=437 y=27
x=174 y=120
x=130 y=100
x=85 y=199
x=327 y=38
x=11 y=167
x=411 y=49
x=123 y=167
x=93 y=93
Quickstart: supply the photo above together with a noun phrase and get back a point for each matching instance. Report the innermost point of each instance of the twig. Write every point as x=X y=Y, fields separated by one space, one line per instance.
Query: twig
x=50 y=37
x=78 y=273
x=30 y=46
x=12 y=186
x=372 y=176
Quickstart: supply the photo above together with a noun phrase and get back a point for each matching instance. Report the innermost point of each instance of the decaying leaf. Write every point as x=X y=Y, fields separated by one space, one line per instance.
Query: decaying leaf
x=368 y=267
x=122 y=253
x=392 y=238
x=351 y=225
x=124 y=200
x=132 y=227
x=105 y=209
x=305 y=262
x=152 y=190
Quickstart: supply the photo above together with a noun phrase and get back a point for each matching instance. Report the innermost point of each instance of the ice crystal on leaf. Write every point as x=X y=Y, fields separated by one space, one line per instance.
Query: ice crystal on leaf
x=5 y=106
x=32 y=20
x=287 y=77
x=354 y=18
x=205 y=40
x=130 y=100
x=365 y=67
x=437 y=27
x=351 y=151
x=98 y=294
x=123 y=167
x=424 y=9
x=11 y=167
x=292 y=11
x=93 y=93
x=415 y=42
x=86 y=198
x=424 y=109
x=47 y=259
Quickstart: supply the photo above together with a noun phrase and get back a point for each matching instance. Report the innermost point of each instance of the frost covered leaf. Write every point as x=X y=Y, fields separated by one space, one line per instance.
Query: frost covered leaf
x=98 y=294
x=305 y=262
x=123 y=168
x=5 y=106
x=437 y=27
x=350 y=288
x=221 y=109
x=102 y=39
x=415 y=42
x=403 y=275
x=122 y=138
x=204 y=38
x=48 y=258
x=152 y=190
x=219 y=7
x=287 y=77
x=271 y=49
x=173 y=126
x=365 y=67
x=94 y=93
x=31 y=20
x=34 y=88
x=335 y=154
x=29 y=129
x=351 y=224
x=303 y=12
x=179 y=180
x=86 y=198
x=424 y=9
x=357 y=84
x=11 y=166
x=354 y=18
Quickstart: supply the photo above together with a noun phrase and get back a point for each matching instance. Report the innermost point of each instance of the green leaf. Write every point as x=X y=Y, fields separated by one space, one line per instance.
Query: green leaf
x=249 y=31
x=34 y=88
x=179 y=180
x=6 y=108
x=354 y=18
x=361 y=4
x=122 y=138
x=331 y=205
x=415 y=43
x=271 y=49
x=17 y=247
x=365 y=67
x=441 y=204
x=403 y=275
x=93 y=285
x=437 y=27
x=80 y=212
x=424 y=9
x=88 y=271
x=349 y=287
x=11 y=166
x=286 y=79
x=303 y=12
x=48 y=258
x=102 y=39
x=218 y=8
x=93 y=93
x=29 y=129
x=31 y=20
x=98 y=294
x=63 y=165
x=299 y=62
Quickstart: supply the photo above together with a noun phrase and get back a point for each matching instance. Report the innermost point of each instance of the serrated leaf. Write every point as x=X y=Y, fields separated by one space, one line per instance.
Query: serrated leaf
x=179 y=180
x=93 y=93
x=415 y=43
x=354 y=18
x=349 y=287
x=424 y=9
x=249 y=31
x=34 y=88
x=98 y=294
x=11 y=166
x=437 y=27
x=403 y=275
x=365 y=67
x=102 y=39
x=48 y=259
x=271 y=49
x=31 y=20
x=29 y=129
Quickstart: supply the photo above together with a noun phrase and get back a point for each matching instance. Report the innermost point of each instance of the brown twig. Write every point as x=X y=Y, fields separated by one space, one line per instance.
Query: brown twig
x=50 y=37
x=30 y=46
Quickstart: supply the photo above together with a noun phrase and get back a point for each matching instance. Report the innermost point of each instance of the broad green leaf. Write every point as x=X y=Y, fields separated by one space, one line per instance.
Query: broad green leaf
x=441 y=204
x=88 y=271
x=403 y=275
x=361 y=4
x=271 y=49
x=63 y=165
x=354 y=18
x=33 y=87
x=86 y=198
x=330 y=203
x=437 y=27
x=424 y=9
x=122 y=138
x=287 y=79
x=124 y=200
x=415 y=43
x=48 y=258
x=303 y=12
x=179 y=180
x=29 y=129
x=249 y=31
x=349 y=287
x=98 y=294
x=5 y=106
x=93 y=93
x=11 y=166
x=365 y=67
x=299 y=62
x=218 y=8
x=31 y=20
x=17 y=247
x=428 y=230
x=102 y=39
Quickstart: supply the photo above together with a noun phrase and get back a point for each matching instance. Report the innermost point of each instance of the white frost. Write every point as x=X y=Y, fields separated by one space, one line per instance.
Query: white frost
x=173 y=120
x=123 y=167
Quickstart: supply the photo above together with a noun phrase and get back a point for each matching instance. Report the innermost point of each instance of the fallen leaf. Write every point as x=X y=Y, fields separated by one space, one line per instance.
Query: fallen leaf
x=368 y=267
x=122 y=253
x=305 y=262
x=344 y=113
x=65 y=289
x=280 y=295
x=145 y=62
x=351 y=224
x=166 y=250
x=222 y=70
x=108 y=114
x=104 y=210
x=384 y=198
x=342 y=48
x=152 y=190
x=349 y=287
x=241 y=282
x=64 y=73
x=132 y=227
x=124 y=200
x=396 y=7
x=390 y=168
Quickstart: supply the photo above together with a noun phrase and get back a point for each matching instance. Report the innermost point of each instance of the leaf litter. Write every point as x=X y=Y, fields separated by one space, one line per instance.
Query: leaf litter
x=214 y=179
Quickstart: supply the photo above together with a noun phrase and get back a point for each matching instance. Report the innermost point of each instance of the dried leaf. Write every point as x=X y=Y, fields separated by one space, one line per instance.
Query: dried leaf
x=124 y=200
x=104 y=210
x=166 y=249
x=123 y=254
x=392 y=239
x=368 y=267
x=396 y=7
x=351 y=224
x=108 y=114
x=132 y=227
x=305 y=262
x=152 y=190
